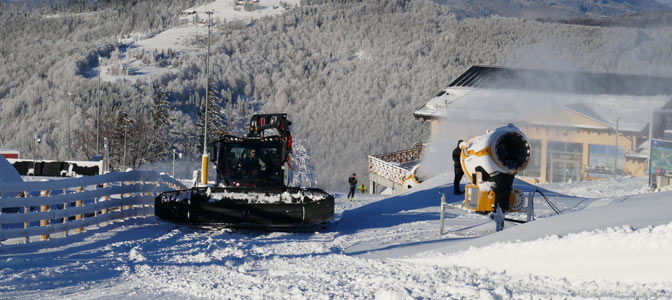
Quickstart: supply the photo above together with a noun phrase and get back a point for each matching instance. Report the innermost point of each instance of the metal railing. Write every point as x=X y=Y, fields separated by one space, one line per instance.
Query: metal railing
x=402 y=156
x=387 y=165
x=386 y=170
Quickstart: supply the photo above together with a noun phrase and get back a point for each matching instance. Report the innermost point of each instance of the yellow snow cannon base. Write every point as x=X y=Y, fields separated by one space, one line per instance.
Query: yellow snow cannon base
x=484 y=201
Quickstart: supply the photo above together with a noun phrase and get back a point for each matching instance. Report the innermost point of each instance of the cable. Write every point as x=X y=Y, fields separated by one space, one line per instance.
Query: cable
x=557 y=211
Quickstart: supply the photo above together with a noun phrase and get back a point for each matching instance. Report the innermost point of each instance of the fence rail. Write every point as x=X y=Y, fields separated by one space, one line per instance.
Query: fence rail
x=387 y=166
x=403 y=156
x=33 y=212
x=386 y=170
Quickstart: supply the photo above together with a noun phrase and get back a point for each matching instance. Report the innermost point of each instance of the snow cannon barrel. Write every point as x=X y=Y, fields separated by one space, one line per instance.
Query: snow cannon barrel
x=411 y=179
x=505 y=150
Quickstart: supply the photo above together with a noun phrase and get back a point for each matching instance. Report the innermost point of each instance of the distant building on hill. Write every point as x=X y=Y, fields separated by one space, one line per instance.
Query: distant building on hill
x=580 y=125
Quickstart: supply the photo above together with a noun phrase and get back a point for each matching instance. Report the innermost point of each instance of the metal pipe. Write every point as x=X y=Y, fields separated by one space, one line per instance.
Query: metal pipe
x=204 y=161
x=616 y=154
x=648 y=169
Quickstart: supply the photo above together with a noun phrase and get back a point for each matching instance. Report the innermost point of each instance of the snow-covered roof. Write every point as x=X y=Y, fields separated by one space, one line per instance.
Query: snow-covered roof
x=462 y=103
x=497 y=103
x=563 y=82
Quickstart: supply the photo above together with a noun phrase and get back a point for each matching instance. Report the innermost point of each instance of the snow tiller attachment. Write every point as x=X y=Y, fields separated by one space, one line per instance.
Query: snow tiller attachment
x=251 y=189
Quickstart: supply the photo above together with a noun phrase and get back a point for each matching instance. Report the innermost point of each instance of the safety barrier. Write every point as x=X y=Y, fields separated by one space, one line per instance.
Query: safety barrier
x=387 y=165
x=403 y=156
x=40 y=211
x=386 y=170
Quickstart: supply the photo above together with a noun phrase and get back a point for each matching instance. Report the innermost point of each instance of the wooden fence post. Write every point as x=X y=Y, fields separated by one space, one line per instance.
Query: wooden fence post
x=26 y=210
x=65 y=207
x=44 y=208
x=127 y=195
x=95 y=202
x=104 y=210
x=79 y=203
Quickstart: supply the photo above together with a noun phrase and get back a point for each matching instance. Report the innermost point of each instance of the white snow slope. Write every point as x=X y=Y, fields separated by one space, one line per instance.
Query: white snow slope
x=612 y=241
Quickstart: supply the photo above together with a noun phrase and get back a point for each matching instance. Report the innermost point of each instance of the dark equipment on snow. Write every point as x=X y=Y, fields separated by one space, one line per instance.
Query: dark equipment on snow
x=250 y=189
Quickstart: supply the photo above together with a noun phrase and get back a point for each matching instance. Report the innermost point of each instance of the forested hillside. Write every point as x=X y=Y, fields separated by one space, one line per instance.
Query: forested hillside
x=349 y=73
x=558 y=9
x=44 y=53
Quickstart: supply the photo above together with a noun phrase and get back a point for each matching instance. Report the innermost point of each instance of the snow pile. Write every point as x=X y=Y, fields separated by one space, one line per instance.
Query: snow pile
x=300 y=196
x=616 y=254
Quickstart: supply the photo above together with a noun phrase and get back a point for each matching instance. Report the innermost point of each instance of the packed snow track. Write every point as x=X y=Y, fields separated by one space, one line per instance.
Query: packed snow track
x=377 y=247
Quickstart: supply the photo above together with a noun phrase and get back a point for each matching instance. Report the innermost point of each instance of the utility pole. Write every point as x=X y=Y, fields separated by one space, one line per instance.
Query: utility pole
x=69 y=126
x=124 y=163
x=179 y=154
x=106 y=160
x=204 y=166
x=37 y=140
x=100 y=70
x=173 y=162
x=127 y=125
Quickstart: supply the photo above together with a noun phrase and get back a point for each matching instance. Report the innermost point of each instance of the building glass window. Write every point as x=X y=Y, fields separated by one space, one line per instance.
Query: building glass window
x=534 y=167
x=564 y=162
x=602 y=159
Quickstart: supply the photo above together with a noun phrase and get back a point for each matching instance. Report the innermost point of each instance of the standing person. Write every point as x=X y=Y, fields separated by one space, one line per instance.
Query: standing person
x=353 y=184
x=458 y=169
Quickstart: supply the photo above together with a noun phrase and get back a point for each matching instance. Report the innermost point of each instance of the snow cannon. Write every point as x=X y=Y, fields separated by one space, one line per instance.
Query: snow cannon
x=411 y=179
x=505 y=150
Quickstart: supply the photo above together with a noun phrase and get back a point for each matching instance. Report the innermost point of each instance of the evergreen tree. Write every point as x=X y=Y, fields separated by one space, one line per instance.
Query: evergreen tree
x=216 y=117
x=119 y=148
x=160 y=140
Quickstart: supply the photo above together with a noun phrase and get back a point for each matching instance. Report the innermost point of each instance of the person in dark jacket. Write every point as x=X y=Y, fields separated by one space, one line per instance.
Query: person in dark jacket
x=353 y=184
x=252 y=165
x=458 y=169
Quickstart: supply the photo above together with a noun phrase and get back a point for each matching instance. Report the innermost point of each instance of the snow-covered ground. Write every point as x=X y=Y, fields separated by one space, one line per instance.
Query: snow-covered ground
x=183 y=38
x=613 y=241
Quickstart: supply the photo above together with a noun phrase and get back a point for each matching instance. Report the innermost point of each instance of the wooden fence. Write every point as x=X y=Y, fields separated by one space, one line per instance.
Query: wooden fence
x=33 y=212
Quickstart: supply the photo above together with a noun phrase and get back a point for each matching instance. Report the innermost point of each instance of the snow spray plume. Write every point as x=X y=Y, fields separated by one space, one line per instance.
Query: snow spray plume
x=470 y=112
x=184 y=167
x=543 y=77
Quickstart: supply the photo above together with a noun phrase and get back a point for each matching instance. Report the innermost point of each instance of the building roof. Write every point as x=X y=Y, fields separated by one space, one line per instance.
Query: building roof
x=512 y=95
x=563 y=81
